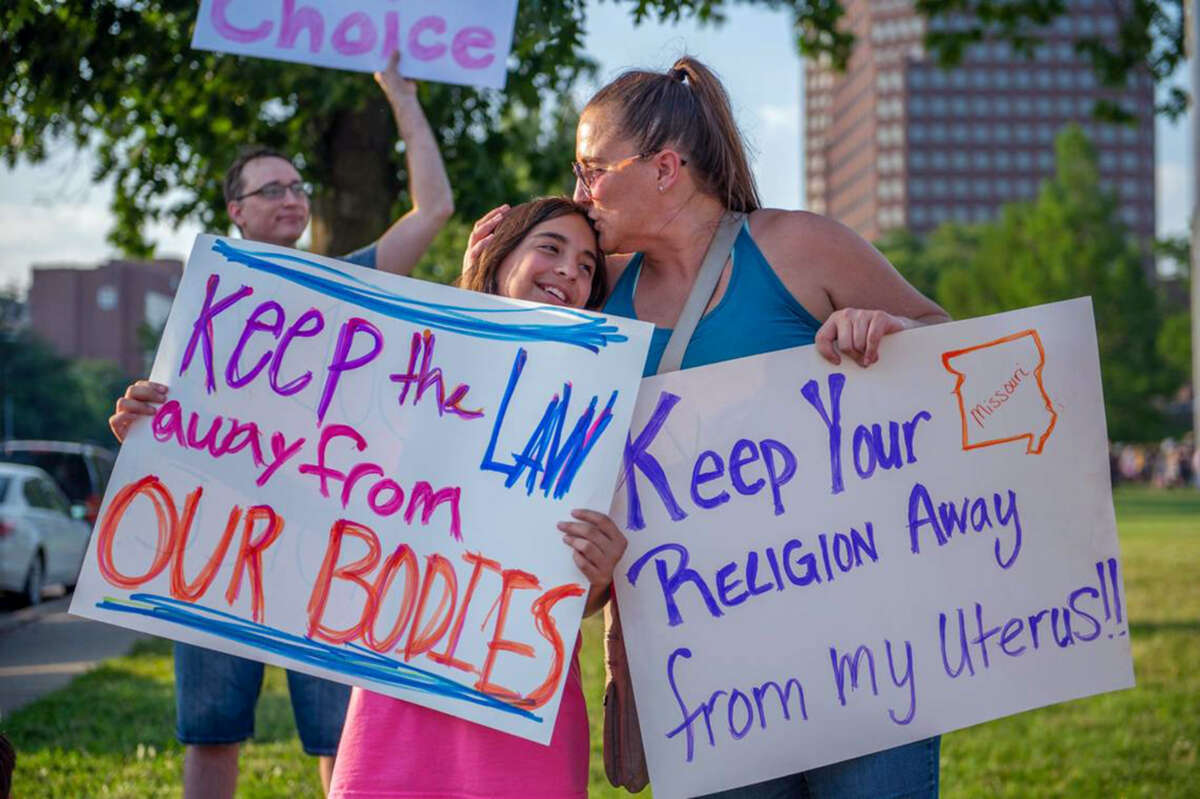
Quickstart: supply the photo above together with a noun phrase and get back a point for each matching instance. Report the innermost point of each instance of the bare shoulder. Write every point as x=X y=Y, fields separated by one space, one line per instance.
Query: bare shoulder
x=828 y=266
x=790 y=239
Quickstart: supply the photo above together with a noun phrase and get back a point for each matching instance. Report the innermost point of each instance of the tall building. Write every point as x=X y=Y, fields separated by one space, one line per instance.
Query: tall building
x=103 y=313
x=895 y=141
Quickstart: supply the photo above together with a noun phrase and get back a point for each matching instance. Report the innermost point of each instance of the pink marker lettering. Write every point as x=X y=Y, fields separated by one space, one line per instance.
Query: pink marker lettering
x=232 y=32
x=391 y=33
x=364 y=41
x=421 y=51
x=319 y=468
x=471 y=38
x=296 y=22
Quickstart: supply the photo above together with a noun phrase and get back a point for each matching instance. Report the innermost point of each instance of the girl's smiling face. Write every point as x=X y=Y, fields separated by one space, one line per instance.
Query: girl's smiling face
x=554 y=264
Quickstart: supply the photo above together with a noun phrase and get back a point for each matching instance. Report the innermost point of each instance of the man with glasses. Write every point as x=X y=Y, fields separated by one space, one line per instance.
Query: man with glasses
x=266 y=198
x=268 y=201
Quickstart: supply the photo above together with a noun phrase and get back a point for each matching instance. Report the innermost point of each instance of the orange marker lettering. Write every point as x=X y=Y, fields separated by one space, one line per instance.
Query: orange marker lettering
x=549 y=630
x=191 y=591
x=435 y=628
x=168 y=521
x=403 y=555
x=447 y=658
x=513 y=580
x=250 y=555
x=353 y=572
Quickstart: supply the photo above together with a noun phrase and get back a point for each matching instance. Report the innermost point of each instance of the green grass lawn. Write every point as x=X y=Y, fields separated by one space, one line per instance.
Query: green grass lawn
x=110 y=733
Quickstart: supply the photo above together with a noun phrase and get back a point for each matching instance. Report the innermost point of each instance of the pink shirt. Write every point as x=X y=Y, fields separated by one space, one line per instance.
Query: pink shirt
x=392 y=748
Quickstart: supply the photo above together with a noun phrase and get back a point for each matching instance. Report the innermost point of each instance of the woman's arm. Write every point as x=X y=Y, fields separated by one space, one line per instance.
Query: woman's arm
x=845 y=281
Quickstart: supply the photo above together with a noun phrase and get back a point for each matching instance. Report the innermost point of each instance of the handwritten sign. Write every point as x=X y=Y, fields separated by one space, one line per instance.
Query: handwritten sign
x=451 y=41
x=828 y=561
x=359 y=476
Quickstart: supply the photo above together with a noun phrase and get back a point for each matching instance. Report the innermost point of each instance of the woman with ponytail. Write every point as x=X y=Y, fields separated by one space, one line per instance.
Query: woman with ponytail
x=660 y=165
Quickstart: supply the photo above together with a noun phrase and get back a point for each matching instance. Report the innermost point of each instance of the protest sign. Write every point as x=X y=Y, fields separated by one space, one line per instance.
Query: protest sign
x=359 y=476
x=450 y=41
x=827 y=561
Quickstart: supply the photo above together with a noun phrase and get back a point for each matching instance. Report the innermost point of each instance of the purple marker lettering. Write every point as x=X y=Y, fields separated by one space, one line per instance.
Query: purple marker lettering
x=296 y=330
x=833 y=422
x=342 y=362
x=907 y=678
x=637 y=457
x=202 y=328
x=254 y=325
x=671 y=583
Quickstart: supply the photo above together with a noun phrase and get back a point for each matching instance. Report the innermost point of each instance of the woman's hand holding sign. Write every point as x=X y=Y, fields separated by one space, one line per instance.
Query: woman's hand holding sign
x=856 y=333
x=599 y=545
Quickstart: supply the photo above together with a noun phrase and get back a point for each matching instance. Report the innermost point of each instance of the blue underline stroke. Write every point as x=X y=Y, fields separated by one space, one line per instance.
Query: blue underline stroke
x=352 y=660
x=590 y=333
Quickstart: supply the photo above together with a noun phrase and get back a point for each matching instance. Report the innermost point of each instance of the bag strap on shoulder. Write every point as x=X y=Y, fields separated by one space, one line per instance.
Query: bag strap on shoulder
x=702 y=291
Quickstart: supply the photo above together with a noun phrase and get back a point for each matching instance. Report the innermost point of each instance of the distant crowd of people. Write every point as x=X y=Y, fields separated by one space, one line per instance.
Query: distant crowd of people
x=1169 y=464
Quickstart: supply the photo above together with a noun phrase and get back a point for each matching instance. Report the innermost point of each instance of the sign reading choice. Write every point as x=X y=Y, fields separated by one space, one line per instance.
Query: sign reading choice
x=358 y=476
x=451 y=41
x=830 y=561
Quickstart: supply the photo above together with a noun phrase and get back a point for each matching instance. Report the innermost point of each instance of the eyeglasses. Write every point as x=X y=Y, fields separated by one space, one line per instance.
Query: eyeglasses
x=588 y=174
x=274 y=191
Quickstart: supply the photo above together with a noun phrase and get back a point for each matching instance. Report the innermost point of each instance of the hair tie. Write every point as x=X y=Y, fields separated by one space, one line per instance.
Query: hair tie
x=677 y=74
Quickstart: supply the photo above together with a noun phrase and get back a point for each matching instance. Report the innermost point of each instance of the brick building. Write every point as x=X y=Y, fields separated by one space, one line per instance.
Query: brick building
x=98 y=313
x=897 y=142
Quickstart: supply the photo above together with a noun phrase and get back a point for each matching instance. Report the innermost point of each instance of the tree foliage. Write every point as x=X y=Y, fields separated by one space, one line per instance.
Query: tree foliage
x=1066 y=243
x=119 y=78
x=49 y=397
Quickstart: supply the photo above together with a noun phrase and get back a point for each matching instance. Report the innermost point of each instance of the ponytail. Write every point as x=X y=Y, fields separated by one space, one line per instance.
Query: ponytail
x=686 y=108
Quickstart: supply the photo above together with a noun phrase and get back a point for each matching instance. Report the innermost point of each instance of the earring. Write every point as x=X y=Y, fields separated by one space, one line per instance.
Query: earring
x=660 y=187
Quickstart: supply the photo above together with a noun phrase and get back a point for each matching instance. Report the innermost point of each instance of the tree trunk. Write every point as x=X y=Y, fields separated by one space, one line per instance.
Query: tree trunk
x=353 y=204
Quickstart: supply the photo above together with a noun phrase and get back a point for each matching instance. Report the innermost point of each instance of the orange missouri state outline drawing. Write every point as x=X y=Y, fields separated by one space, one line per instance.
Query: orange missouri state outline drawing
x=1001 y=397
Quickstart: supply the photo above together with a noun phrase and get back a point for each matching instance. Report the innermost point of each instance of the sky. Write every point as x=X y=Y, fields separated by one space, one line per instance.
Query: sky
x=51 y=213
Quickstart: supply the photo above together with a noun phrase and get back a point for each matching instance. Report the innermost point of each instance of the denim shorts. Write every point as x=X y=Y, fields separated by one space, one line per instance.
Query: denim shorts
x=215 y=695
x=907 y=771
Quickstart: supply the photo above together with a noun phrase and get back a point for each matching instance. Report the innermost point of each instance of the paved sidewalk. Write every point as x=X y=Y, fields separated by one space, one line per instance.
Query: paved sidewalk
x=42 y=648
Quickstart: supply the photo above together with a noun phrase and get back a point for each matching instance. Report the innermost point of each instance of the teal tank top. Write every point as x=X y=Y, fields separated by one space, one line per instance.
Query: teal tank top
x=757 y=314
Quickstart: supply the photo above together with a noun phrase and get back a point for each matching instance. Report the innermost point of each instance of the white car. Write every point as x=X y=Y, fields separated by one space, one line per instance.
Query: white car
x=40 y=543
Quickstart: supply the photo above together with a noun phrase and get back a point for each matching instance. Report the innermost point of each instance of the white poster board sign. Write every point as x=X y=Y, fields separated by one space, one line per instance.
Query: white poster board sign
x=358 y=476
x=829 y=561
x=450 y=41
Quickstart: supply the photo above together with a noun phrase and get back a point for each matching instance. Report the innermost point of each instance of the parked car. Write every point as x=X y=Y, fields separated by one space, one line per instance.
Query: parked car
x=40 y=543
x=81 y=470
